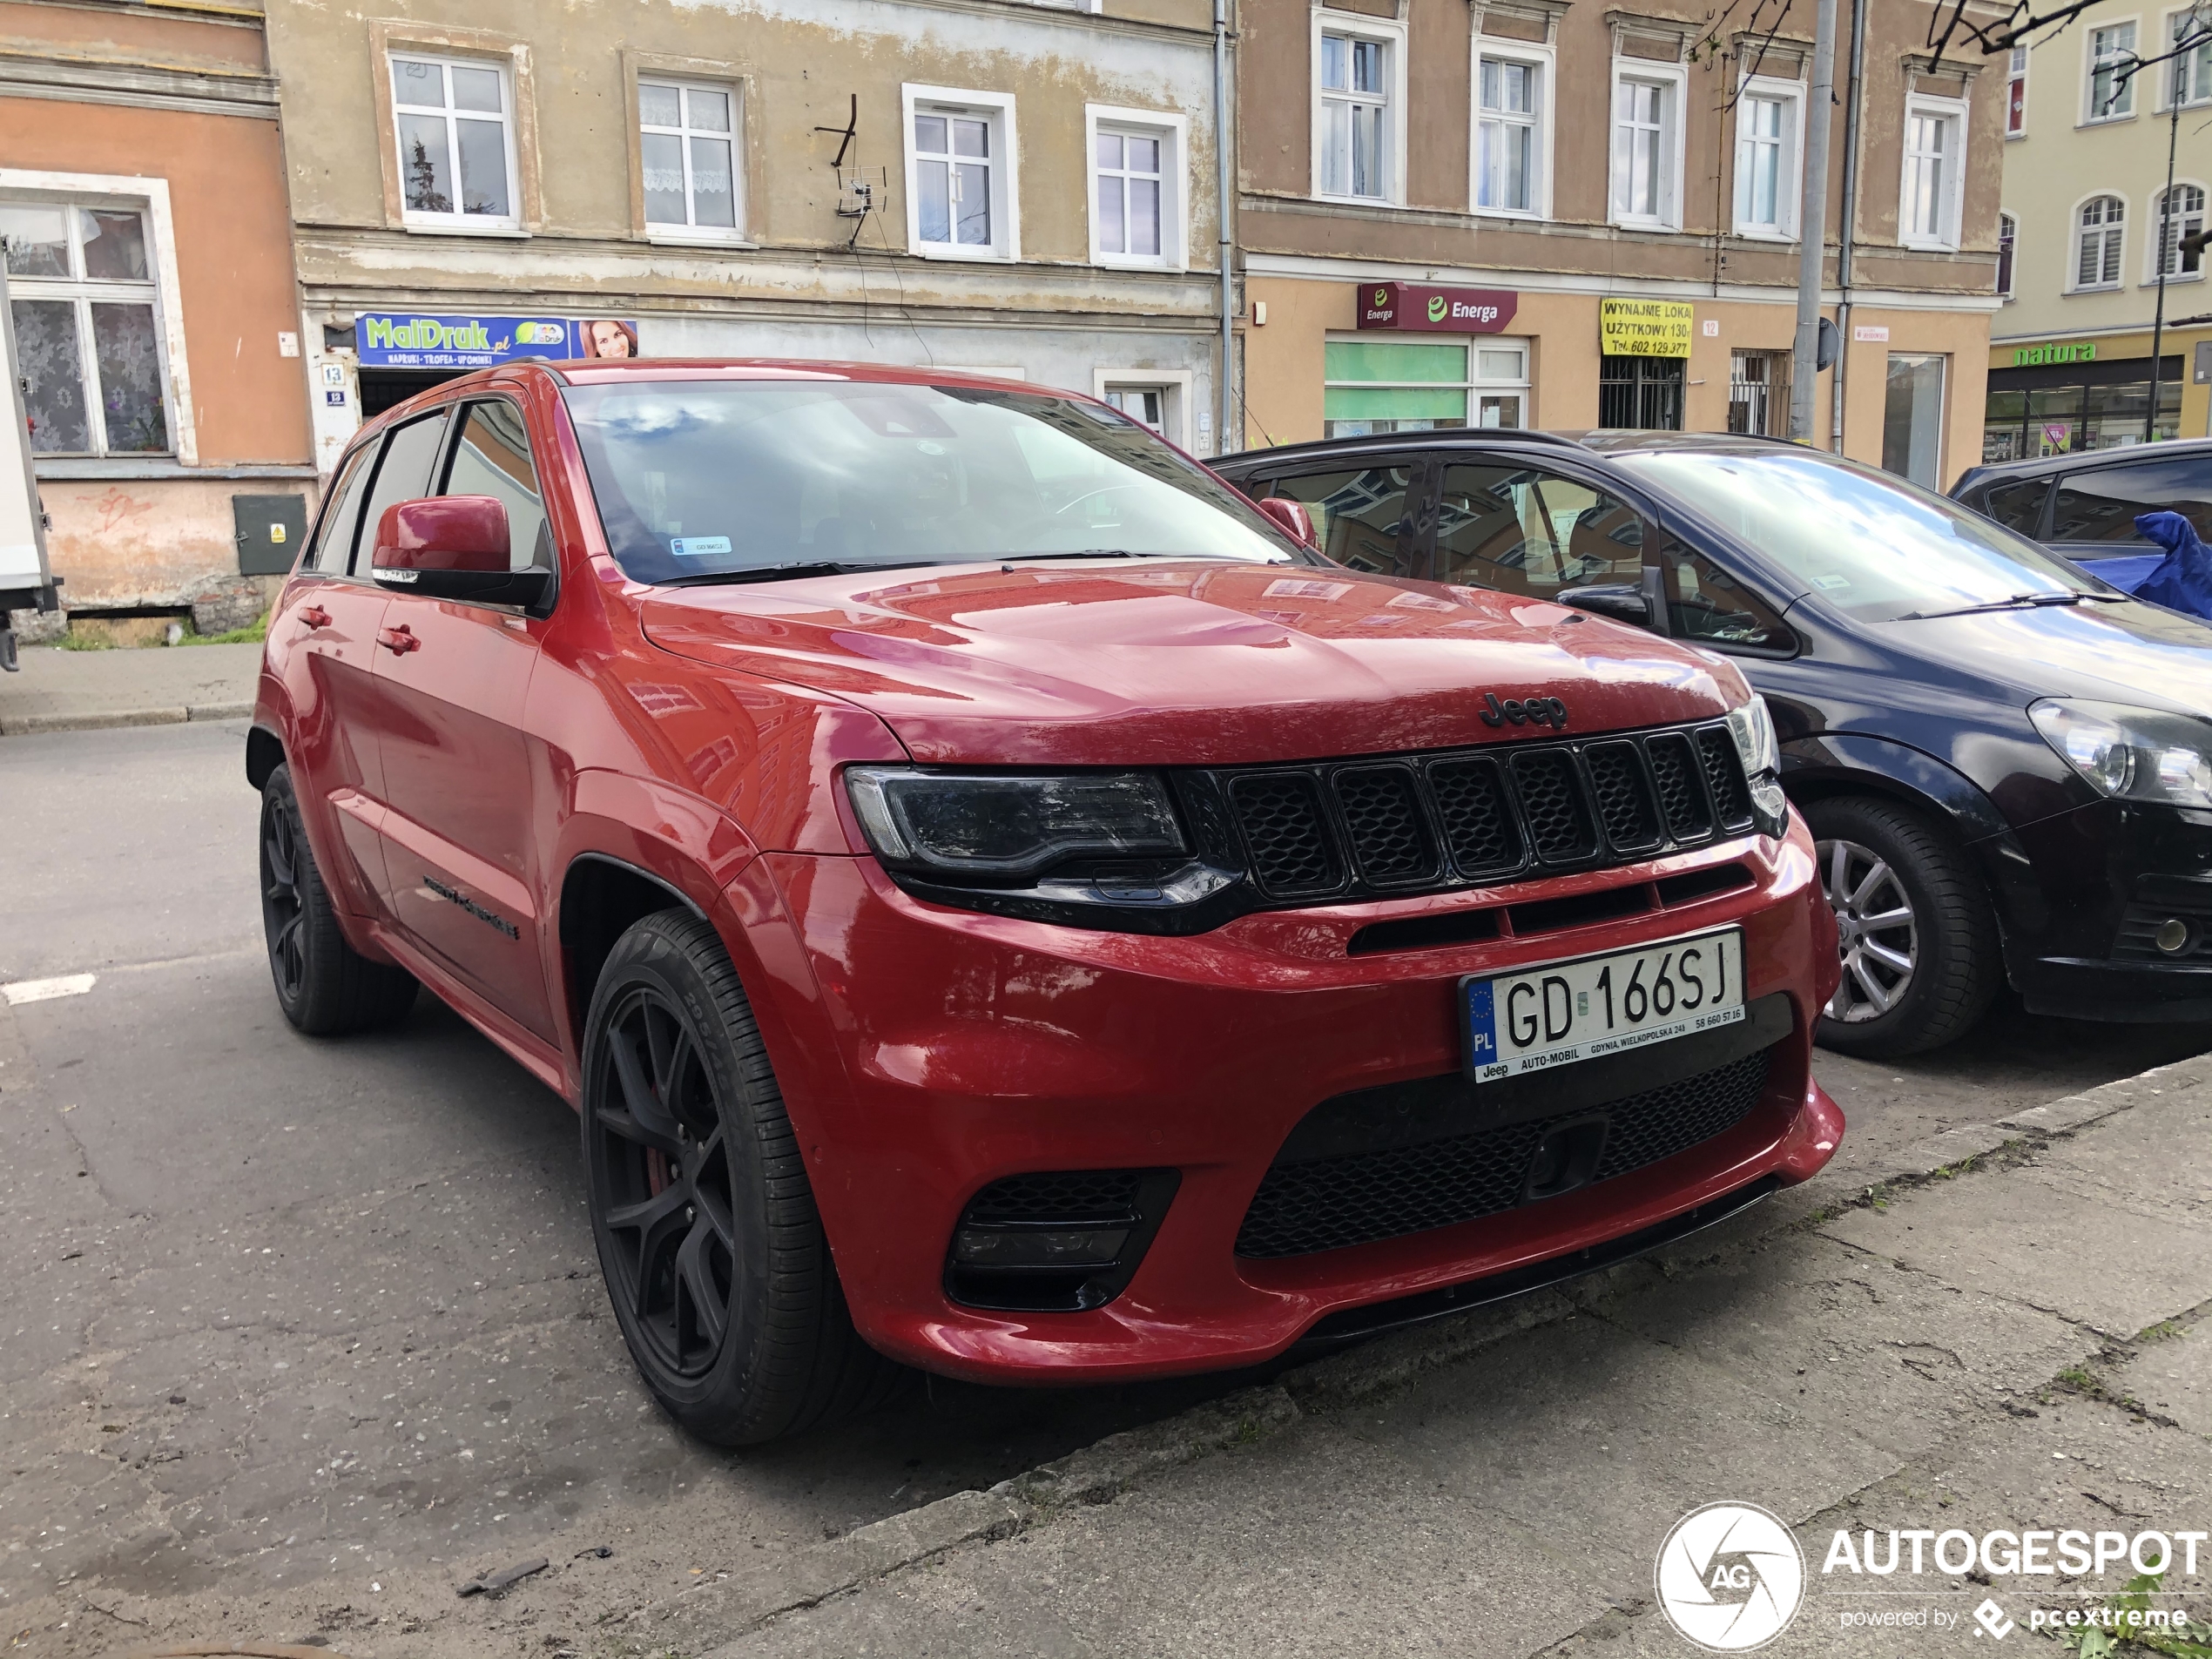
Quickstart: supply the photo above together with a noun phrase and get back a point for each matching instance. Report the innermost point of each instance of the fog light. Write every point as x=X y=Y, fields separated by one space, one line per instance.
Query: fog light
x=2173 y=936
x=1074 y=1247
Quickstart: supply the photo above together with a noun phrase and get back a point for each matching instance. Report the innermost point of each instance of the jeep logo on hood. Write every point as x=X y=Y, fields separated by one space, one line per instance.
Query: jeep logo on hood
x=1525 y=710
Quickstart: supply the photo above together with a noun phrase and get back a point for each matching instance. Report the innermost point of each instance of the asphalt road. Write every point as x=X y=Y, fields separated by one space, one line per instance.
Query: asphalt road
x=295 y=1335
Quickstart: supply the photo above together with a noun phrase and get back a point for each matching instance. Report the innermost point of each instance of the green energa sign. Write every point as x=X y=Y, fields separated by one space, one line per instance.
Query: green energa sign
x=2075 y=351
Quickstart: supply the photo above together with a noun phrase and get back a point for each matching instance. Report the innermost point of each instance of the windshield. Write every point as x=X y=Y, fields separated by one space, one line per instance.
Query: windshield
x=1873 y=545
x=710 y=478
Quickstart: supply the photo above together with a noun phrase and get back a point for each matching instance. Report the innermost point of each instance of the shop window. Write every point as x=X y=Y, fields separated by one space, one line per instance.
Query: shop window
x=88 y=325
x=1513 y=128
x=1935 y=158
x=1375 y=385
x=2008 y=230
x=454 y=120
x=2099 y=231
x=2111 y=72
x=1358 y=108
x=1766 y=159
x=1913 y=418
x=2186 y=220
x=2191 y=82
x=1642 y=393
x=688 y=154
x=2016 y=94
x=2102 y=504
x=1759 y=392
x=960 y=192
x=1136 y=194
x=1363 y=516
x=1647 y=144
x=1522 y=531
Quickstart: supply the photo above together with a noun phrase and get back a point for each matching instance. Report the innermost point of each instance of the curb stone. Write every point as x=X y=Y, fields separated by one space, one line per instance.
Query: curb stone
x=24 y=726
x=1097 y=1473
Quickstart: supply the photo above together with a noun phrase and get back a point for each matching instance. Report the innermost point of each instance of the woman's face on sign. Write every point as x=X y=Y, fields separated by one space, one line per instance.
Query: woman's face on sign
x=608 y=340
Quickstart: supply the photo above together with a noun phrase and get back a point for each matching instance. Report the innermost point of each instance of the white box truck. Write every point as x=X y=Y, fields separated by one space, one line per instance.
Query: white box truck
x=26 y=583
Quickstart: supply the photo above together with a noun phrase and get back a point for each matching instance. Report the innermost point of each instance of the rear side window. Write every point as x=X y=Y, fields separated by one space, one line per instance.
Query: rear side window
x=1363 y=516
x=404 y=474
x=2017 y=505
x=493 y=458
x=1526 y=531
x=333 y=546
x=2102 y=505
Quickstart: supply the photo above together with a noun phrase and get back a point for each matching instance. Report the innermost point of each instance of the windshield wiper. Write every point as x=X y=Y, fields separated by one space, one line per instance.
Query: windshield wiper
x=784 y=572
x=2018 y=602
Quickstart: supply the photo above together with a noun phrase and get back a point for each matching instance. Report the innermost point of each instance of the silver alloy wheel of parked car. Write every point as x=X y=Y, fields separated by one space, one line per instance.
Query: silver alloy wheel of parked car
x=1877 y=933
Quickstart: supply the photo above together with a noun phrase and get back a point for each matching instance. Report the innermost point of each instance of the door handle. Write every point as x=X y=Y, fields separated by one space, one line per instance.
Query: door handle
x=399 y=641
x=315 y=616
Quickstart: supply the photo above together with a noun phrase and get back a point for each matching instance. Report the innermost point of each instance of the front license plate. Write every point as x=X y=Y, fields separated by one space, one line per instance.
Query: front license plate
x=1564 y=1012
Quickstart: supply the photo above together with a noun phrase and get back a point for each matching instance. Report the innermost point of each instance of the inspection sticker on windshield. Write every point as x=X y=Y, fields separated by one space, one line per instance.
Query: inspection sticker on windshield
x=1562 y=1012
x=699 y=547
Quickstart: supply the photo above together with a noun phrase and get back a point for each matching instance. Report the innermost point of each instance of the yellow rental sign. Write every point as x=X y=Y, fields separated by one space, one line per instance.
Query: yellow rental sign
x=1645 y=327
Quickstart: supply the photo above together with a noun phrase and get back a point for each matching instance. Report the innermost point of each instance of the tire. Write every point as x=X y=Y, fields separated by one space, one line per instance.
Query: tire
x=714 y=1256
x=325 y=987
x=1903 y=892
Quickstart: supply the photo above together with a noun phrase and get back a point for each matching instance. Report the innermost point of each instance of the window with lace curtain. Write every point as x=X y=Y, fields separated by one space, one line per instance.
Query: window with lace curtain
x=83 y=294
x=689 y=152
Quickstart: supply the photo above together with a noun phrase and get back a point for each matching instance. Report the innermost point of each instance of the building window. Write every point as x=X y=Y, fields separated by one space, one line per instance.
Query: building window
x=2008 y=230
x=959 y=174
x=1642 y=393
x=1913 y=418
x=454 y=120
x=1374 y=385
x=1766 y=159
x=1159 y=398
x=1359 y=109
x=2016 y=94
x=1934 y=162
x=687 y=148
x=88 y=329
x=2176 y=262
x=2192 y=80
x=1647 y=147
x=2100 y=228
x=1512 y=129
x=1759 y=392
x=2111 y=80
x=1136 y=194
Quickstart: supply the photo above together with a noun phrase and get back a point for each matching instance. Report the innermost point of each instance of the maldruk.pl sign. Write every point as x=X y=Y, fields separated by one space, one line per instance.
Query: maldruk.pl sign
x=1419 y=307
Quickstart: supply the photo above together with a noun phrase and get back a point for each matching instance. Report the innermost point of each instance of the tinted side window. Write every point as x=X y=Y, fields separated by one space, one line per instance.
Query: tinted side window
x=1362 y=516
x=2102 y=505
x=1706 y=604
x=1523 y=531
x=2017 y=505
x=493 y=458
x=405 y=474
x=333 y=548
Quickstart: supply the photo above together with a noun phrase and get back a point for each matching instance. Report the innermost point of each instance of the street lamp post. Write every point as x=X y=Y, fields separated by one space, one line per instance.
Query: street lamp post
x=2165 y=230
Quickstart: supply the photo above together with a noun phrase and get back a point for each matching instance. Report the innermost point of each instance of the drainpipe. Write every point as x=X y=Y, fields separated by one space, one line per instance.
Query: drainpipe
x=1224 y=388
x=1851 y=98
x=1812 y=227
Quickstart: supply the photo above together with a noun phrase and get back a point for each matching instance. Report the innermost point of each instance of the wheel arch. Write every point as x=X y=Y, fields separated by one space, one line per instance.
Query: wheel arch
x=264 y=754
x=601 y=898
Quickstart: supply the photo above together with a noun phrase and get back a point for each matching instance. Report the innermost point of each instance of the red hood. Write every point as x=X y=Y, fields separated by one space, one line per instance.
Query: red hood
x=1156 y=664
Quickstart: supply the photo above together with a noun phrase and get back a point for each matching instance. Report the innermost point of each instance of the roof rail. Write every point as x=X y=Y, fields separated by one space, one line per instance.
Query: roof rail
x=1399 y=440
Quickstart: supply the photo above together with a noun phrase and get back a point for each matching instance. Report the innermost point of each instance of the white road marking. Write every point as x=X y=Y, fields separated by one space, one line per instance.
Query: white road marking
x=45 y=990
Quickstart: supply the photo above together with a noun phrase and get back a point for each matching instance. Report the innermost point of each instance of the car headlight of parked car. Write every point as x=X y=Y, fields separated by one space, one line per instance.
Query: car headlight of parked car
x=1752 y=727
x=2131 y=754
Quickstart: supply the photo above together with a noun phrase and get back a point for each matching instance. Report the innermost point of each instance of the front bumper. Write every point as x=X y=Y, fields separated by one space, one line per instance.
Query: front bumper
x=974 y=1047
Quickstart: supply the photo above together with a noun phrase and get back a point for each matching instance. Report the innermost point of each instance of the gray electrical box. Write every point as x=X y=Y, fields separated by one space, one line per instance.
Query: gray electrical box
x=269 y=532
x=2204 y=362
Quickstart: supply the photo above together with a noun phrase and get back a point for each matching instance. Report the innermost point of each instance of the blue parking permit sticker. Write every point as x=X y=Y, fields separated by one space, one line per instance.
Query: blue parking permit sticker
x=699 y=547
x=1482 y=1025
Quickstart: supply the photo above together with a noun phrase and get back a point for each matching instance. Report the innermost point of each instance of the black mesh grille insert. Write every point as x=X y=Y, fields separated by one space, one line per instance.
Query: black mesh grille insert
x=1724 y=775
x=1293 y=854
x=1551 y=799
x=1335 y=1203
x=1067 y=1196
x=1478 y=826
x=1623 y=797
x=1390 y=838
x=1680 y=799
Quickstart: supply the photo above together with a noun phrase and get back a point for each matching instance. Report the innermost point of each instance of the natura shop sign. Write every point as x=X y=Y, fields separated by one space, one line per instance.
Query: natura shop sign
x=1645 y=327
x=1425 y=309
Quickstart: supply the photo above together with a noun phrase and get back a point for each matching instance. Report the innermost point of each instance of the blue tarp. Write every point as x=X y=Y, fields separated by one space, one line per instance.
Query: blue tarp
x=2182 y=580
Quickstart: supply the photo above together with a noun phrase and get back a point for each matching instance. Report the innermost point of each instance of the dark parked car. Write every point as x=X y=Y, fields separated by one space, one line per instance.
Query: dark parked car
x=2085 y=507
x=2006 y=762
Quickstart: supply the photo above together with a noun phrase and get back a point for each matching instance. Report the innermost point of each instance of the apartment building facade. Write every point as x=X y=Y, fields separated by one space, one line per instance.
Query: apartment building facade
x=2094 y=125
x=1022 y=189
x=1558 y=213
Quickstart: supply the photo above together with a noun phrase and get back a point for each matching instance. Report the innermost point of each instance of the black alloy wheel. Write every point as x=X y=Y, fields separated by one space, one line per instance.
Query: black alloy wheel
x=324 y=986
x=284 y=914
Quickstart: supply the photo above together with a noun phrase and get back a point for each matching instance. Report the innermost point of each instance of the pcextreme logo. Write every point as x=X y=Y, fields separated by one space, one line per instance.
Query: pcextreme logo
x=1730 y=1577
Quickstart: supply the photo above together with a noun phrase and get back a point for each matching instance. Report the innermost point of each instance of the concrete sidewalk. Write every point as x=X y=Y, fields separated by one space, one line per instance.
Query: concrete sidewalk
x=80 y=690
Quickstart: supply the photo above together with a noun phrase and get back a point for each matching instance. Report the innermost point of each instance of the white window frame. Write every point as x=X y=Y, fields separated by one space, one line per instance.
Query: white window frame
x=1951 y=186
x=2016 y=67
x=149 y=196
x=1358 y=26
x=1789 y=182
x=2152 y=237
x=2073 y=284
x=1175 y=412
x=2089 y=116
x=2168 y=71
x=1173 y=132
x=1676 y=80
x=997 y=108
x=1544 y=60
x=2008 y=230
x=1474 y=385
x=668 y=230
x=509 y=121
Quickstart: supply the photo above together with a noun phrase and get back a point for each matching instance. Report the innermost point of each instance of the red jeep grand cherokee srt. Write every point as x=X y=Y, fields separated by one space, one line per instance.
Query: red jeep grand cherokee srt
x=997 y=901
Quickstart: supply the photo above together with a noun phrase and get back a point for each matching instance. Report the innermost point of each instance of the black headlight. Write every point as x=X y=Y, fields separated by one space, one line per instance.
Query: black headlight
x=1009 y=828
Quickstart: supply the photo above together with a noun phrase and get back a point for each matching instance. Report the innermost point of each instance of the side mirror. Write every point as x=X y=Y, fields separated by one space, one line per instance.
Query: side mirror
x=453 y=547
x=1619 y=600
x=1291 y=517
